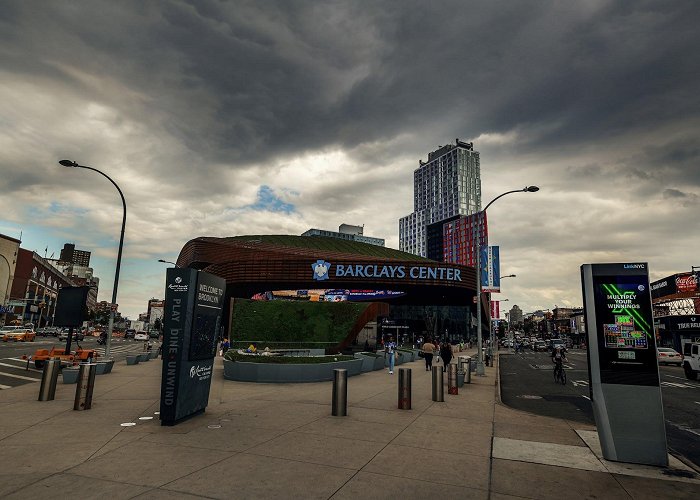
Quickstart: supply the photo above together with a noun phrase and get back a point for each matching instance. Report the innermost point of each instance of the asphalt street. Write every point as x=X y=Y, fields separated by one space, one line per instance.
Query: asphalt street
x=527 y=384
x=15 y=371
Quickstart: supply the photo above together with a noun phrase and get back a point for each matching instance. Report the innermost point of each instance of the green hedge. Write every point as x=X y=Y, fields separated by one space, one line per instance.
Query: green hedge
x=284 y=360
x=292 y=324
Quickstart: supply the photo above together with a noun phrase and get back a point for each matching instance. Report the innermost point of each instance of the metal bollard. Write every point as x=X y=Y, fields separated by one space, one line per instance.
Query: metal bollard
x=452 y=379
x=438 y=390
x=468 y=373
x=49 y=378
x=340 y=393
x=404 y=388
x=86 y=383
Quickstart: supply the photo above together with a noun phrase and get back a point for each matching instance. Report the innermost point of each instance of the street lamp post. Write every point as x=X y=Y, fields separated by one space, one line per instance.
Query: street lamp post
x=69 y=163
x=479 y=355
x=167 y=262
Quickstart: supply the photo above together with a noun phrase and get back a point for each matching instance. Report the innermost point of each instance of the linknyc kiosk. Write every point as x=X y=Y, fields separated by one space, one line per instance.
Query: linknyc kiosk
x=622 y=367
x=192 y=317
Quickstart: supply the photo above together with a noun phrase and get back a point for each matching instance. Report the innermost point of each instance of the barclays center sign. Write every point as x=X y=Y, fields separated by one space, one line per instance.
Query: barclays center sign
x=323 y=270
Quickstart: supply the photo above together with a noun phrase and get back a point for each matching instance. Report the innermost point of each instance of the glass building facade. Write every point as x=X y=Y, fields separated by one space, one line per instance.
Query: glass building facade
x=445 y=188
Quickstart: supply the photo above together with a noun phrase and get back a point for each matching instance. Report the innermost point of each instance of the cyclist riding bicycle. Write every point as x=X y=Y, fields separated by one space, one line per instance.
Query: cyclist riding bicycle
x=558 y=357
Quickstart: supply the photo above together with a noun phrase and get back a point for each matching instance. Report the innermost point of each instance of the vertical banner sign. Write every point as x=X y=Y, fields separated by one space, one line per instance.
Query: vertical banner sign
x=623 y=371
x=490 y=269
x=192 y=316
x=495 y=309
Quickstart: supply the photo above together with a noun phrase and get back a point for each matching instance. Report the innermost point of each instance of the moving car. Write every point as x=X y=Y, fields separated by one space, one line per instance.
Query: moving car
x=130 y=333
x=77 y=335
x=539 y=345
x=140 y=336
x=17 y=334
x=668 y=356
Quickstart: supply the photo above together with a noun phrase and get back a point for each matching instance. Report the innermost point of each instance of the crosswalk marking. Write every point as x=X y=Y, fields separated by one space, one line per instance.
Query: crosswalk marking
x=22 y=377
x=678 y=385
x=576 y=383
x=18 y=367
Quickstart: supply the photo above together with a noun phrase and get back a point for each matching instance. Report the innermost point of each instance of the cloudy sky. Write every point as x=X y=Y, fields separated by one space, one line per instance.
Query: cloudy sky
x=222 y=118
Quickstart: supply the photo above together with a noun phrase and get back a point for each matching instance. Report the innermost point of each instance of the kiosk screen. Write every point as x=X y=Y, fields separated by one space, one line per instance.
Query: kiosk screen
x=625 y=330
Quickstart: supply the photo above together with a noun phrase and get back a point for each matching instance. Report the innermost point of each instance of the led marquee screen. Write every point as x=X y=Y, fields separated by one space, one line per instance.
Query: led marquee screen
x=625 y=330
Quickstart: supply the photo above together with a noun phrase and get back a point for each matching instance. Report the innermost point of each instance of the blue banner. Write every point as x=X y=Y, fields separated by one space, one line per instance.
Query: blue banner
x=490 y=269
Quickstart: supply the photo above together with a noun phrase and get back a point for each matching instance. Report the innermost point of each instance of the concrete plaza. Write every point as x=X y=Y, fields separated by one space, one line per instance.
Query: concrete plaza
x=280 y=441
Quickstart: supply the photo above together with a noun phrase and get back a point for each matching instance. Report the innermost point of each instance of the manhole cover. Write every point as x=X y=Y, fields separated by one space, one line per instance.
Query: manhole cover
x=128 y=424
x=528 y=396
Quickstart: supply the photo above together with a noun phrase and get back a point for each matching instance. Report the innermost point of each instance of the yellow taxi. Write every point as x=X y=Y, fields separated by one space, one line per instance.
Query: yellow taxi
x=17 y=334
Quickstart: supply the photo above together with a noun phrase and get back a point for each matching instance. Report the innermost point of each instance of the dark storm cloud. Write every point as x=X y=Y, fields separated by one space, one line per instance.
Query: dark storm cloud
x=243 y=81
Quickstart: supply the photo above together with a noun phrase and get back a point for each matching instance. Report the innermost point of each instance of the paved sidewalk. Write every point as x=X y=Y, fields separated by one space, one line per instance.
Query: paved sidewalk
x=280 y=441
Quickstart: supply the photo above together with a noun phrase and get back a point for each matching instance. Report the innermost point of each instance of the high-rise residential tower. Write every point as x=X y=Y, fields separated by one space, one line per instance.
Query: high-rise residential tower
x=445 y=188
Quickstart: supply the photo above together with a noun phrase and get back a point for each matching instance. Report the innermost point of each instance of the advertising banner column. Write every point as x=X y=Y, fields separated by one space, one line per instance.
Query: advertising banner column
x=623 y=371
x=192 y=317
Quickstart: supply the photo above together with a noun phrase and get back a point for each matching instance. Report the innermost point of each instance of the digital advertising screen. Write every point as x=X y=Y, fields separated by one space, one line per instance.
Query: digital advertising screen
x=203 y=338
x=626 y=342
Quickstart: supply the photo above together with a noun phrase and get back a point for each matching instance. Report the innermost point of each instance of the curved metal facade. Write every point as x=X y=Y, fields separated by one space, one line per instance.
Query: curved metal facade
x=254 y=264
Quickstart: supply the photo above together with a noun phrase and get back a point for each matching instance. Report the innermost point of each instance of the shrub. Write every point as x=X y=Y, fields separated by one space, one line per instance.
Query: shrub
x=284 y=360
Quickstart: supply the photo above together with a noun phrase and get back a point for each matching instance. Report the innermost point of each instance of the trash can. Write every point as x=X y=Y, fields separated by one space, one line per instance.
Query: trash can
x=86 y=383
x=49 y=379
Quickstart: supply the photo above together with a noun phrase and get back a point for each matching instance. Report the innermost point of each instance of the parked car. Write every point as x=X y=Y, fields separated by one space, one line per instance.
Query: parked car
x=668 y=356
x=140 y=336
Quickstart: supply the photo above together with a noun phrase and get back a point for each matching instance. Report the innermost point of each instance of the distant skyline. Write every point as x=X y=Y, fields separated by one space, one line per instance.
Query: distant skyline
x=233 y=118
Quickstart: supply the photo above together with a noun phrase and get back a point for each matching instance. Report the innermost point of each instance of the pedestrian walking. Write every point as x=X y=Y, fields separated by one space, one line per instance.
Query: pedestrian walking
x=390 y=350
x=428 y=352
x=446 y=354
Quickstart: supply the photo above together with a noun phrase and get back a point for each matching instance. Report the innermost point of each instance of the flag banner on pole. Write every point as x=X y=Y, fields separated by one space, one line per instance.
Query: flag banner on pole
x=490 y=269
x=495 y=309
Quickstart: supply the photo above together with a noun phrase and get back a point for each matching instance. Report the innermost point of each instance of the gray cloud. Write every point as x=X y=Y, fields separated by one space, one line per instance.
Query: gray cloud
x=193 y=106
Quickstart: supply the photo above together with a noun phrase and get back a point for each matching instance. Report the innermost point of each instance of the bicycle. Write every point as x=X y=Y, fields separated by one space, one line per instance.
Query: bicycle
x=559 y=373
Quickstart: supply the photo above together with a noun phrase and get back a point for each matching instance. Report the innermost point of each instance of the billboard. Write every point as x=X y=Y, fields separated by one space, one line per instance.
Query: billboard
x=676 y=283
x=490 y=269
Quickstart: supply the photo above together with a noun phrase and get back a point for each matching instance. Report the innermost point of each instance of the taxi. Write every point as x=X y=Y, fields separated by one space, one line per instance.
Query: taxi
x=17 y=334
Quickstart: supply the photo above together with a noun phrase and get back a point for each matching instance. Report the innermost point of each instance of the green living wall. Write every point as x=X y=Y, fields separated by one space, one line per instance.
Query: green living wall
x=280 y=323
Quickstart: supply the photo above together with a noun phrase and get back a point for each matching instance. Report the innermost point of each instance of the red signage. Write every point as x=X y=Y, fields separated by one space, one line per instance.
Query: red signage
x=686 y=283
x=495 y=309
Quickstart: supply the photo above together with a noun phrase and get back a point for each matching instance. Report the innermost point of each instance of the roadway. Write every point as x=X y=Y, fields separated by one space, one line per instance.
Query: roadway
x=527 y=384
x=15 y=371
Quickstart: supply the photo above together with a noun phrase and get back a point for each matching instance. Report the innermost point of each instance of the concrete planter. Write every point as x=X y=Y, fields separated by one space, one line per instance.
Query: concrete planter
x=153 y=354
x=399 y=360
x=104 y=367
x=143 y=357
x=408 y=356
x=132 y=359
x=369 y=362
x=70 y=375
x=274 y=373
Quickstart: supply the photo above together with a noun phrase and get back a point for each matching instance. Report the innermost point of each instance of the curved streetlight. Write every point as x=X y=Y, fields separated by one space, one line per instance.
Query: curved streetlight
x=70 y=163
x=167 y=262
x=479 y=355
